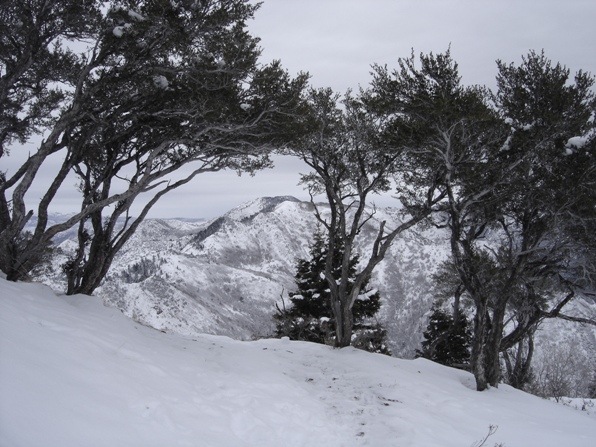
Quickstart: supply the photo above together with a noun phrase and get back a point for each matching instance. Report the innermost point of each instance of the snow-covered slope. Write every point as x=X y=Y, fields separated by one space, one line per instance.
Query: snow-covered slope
x=75 y=373
x=224 y=276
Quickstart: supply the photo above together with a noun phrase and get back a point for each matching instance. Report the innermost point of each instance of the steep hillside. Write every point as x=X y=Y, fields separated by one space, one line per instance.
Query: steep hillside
x=224 y=276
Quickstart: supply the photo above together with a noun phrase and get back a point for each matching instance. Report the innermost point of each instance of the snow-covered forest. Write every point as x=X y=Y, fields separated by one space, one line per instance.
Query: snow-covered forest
x=489 y=251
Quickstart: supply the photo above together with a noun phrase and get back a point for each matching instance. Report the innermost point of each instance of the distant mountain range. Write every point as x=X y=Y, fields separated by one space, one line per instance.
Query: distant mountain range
x=225 y=275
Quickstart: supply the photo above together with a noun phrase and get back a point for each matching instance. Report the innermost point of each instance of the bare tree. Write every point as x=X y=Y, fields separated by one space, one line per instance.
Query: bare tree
x=561 y=371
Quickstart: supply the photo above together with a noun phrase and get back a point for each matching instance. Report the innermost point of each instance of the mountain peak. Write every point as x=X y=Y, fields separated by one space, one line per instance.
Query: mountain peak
x=248 y=210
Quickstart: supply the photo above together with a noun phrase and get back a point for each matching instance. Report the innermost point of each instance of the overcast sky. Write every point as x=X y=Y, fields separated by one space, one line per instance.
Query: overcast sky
x=336 y=41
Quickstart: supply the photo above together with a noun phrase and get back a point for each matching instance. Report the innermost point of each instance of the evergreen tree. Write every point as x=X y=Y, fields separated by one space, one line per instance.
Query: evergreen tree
x=592 y=386
x=446 y=341
x=310 y=317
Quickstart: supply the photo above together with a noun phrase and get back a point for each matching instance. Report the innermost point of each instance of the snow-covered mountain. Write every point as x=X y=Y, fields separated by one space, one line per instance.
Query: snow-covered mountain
x=224 y=276
x=76 y=373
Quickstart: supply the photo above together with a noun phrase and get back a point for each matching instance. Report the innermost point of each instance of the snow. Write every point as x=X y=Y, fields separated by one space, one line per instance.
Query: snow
x=136 y=16
x=575 y=143
x=161 y=82
x=225 y=278
x=74 y=372
x=367 y=295
x=119 y=31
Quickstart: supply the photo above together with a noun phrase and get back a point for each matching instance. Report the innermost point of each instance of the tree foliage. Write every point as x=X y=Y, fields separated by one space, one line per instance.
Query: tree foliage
x=446 y=340
x=351 y=159
x=35 y=62
x=310 y=316
x=161 y=85
x=517 y=172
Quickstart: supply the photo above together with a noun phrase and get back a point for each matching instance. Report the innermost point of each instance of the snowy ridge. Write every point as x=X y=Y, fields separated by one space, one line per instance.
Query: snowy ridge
x=251 y=209
x=224 y=276
x=82 y=374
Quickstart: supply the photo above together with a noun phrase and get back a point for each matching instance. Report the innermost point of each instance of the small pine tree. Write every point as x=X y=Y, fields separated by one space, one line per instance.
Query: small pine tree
x=310 y=317
x=446 y=342
x=592 y=386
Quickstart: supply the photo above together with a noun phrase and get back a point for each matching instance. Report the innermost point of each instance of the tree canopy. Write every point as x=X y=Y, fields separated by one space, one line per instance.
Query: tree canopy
x=160 y=85
x=517 y=168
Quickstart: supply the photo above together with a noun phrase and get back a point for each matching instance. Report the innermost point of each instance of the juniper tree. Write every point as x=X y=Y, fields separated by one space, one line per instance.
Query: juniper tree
x=518 y=173
x=37 y=95
x=350 y=161
x=544 y=206
x=159 y=85
x=450 y=128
